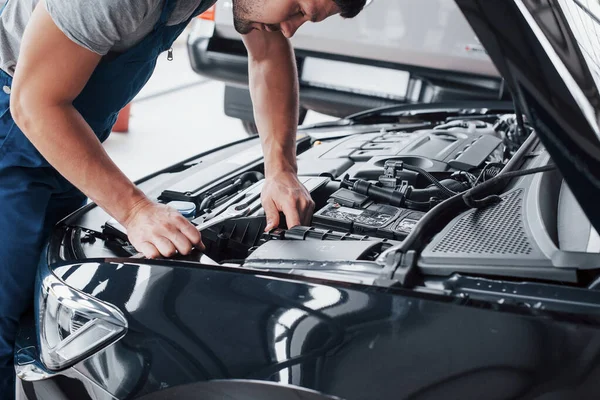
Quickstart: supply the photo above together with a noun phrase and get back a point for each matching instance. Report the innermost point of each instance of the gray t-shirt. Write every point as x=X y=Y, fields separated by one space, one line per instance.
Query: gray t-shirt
x=102 y=26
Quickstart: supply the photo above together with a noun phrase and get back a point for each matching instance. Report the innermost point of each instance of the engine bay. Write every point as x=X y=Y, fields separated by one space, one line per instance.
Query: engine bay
x=373 y=186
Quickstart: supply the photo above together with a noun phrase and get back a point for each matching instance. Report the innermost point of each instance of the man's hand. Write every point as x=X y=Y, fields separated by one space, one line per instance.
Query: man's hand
x=44 y=87
x=284 y=192
x=156 y=229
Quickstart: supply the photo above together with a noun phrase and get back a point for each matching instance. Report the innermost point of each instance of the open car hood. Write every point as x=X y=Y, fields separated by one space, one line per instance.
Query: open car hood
x=548 y=51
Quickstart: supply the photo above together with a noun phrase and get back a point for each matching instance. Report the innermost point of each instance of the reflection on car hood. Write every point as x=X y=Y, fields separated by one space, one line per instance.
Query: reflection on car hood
x=548 y=51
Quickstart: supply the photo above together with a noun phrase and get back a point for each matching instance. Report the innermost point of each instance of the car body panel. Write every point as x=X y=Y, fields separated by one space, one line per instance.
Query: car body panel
x=201 y=323
x=427 y=33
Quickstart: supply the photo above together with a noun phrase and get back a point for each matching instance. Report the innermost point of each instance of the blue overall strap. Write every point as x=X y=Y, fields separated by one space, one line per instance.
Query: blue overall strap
x=168 y=8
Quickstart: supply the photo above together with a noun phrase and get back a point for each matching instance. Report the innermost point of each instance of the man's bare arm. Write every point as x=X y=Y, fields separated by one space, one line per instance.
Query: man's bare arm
x=274 y=90
x=52 y=70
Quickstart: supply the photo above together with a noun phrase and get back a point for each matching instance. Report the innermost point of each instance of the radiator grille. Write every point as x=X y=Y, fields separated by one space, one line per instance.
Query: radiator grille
x=495 y=230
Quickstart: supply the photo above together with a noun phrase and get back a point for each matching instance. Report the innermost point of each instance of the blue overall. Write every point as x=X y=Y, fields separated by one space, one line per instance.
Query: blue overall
x=34 y=196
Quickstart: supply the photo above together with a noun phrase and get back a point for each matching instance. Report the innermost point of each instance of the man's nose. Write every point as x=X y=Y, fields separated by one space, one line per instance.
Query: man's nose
x=289 y=28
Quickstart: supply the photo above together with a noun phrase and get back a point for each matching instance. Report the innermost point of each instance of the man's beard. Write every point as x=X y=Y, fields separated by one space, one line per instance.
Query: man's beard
x=243 y=26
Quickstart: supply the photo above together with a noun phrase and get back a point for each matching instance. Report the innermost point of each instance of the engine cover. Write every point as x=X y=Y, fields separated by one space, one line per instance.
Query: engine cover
x=438 y=151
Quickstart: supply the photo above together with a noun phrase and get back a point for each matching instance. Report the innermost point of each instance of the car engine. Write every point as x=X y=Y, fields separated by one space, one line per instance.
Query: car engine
x=373 y=185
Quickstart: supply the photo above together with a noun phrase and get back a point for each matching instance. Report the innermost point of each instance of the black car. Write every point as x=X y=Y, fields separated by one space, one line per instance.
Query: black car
x=453 y=253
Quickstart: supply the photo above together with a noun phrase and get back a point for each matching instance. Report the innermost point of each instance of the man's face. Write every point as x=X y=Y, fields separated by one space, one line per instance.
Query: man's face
x=279 y=15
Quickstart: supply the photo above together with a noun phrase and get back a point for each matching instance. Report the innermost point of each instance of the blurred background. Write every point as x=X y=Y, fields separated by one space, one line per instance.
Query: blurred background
x=179 y=105
x=199 y=99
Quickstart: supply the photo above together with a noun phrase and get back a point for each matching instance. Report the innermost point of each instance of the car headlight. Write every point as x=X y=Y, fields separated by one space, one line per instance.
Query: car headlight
x=73 y=325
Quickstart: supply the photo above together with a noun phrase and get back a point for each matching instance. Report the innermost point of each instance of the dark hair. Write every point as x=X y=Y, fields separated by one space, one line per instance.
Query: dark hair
x=350 y=8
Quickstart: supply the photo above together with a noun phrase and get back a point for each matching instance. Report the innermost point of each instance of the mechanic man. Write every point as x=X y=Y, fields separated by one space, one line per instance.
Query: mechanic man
x=66 y=69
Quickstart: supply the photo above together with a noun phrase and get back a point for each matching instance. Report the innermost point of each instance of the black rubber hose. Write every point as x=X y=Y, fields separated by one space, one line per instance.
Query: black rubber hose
x=416 y=199
x=383 y=195
x=423 y=195
x=447 y=192
x=418 y=205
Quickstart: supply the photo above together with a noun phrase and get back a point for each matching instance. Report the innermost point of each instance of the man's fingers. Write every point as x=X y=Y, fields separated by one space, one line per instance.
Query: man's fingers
x=181 y=242
x=148 y=250
x=292 y=217
x=300 y=213
x=190 y=232
x=161 y=230
x=272 y=214
x=307 y=213
x=165 y=246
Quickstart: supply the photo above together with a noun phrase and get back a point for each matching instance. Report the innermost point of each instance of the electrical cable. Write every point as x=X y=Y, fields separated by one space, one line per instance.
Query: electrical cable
x=469 y=197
